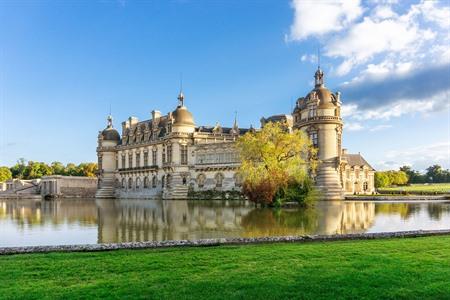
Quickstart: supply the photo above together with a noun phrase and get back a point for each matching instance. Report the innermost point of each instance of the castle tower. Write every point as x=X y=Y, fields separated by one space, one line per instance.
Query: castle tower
x=318 y=114
x=108 y=139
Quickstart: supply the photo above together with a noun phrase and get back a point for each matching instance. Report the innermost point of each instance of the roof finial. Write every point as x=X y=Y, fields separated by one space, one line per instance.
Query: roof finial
x=318 y=57
x=110 y=119
x=235 y=125
x=180 y=95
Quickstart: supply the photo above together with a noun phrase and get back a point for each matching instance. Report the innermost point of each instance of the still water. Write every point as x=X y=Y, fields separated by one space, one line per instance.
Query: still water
x=89 y=221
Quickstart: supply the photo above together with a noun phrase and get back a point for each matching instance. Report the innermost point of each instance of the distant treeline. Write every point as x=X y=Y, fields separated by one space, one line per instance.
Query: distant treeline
x=406 y=175
x=32 y=169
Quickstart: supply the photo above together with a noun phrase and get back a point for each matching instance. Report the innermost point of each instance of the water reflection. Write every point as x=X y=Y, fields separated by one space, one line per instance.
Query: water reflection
x=70 y=221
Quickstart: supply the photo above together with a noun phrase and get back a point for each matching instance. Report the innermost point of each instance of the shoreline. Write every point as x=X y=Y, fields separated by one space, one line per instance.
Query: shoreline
x=220 y=242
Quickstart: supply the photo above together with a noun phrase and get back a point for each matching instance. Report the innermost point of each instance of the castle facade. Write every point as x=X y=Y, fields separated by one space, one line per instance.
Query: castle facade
x=167 y=155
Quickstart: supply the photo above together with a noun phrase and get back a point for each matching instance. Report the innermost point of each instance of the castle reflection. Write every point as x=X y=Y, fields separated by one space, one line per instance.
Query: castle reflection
x=157 y=220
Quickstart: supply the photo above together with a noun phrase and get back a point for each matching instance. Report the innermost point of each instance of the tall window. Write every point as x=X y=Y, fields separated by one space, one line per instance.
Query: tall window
x=366 y=186
x=138 y=159
x=164 y=155
x=184 y=154
x=169 y=153
x=154 y=180
x=314 y=138
x=145 y=159
x=339 y=141
x=201 y=178
x=219 y=179
x=130 y=160
x=123 y=161
x=154 y=154
x=130 y=183
x=146 y=182
x=169 y=127
x=312 y=111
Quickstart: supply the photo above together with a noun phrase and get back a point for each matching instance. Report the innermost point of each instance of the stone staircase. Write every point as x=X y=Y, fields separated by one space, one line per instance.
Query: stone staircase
x=107 y=189
x=178 y=191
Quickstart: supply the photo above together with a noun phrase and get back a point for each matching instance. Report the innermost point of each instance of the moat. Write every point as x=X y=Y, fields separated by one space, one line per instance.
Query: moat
x=90 y=221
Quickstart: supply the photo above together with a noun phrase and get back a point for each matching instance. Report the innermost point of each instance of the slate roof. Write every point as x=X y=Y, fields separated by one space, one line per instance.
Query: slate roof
x=356 y=160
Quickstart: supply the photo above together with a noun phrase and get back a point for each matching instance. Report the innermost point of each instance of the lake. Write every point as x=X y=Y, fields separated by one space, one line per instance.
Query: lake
x=90 y=221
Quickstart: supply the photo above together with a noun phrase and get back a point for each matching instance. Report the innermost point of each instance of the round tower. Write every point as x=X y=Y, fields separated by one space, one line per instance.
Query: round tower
x=108 y=139
x=318 y=114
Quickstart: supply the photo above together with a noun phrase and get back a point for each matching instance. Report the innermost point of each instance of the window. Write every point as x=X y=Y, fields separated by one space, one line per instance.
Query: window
x=145 y=159
x=357 y=172
x=138 y=183
x=314 y=138
x=164 y=155
x=154 y=181
x=117 y=163
x=338 y=142
x=169 y=127
x=169 y=153
x=163 y=181
x=366 y=186
x=123 y=161
x=154 y=153
x=312 y=111
x=219 y=179
x=130 y=160
x=130 y=183
x=184 y=180
x=237 y=180
x=138 y=159
x=184 y=154
x=123 y=183
x=146 y=182
x=201 y=178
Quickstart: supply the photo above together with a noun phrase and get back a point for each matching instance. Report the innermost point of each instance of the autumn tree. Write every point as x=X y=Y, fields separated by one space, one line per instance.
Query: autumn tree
x=273 y=159
x=5 y=174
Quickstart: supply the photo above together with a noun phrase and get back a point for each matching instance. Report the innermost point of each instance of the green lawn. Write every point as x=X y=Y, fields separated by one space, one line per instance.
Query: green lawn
x=417 y=188
x=414 y=268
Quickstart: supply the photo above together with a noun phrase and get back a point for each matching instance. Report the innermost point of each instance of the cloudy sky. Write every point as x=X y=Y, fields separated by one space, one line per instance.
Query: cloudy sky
x=62 y=65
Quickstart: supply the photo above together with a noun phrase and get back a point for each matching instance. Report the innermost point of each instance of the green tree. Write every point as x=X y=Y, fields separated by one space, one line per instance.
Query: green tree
x=57 y=168
x=87 y=169
x=19 y=169
x=38 y=169
x=272 y=159
x=5 y=174
x=435 y=173
x=381 y=179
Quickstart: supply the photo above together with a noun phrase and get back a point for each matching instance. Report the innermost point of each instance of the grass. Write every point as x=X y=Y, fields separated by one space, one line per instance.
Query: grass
x=414 y=268
x=420 y=188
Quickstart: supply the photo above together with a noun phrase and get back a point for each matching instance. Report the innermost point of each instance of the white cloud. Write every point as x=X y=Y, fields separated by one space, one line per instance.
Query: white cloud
x=321 y=17
x=353 y=126
x=438 y=102
x=312 y=58
x=380 y=127
x=418 y=157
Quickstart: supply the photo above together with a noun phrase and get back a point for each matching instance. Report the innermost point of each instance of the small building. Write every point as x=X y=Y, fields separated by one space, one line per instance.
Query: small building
x=68 y=186
x=357 y=176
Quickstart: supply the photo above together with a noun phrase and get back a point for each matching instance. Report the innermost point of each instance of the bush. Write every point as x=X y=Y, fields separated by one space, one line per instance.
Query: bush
x=303 y=193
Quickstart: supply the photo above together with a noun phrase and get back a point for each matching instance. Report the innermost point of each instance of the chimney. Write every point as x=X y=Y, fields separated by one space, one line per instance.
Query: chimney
x=156 y=114
x=344 y=151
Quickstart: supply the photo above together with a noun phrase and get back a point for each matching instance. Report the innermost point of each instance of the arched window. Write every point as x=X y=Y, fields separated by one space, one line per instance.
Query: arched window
x=366 y=186
x=168 y=179
x=130 y=183
x=154 y=180
x=123 y=183
x=201 y=178
x=146 y=182
x=237 y=179
x=163 y=181
x=138 y=183
x=219 y=179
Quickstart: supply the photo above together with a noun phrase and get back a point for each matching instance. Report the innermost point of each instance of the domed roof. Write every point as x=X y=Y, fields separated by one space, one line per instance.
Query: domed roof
x=110 y=134
x=325 y=97
x=182 y=116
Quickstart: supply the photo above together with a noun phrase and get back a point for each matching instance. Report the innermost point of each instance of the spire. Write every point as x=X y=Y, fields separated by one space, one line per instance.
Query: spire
x=318 y=76
x=235 y=124
x=180 y=95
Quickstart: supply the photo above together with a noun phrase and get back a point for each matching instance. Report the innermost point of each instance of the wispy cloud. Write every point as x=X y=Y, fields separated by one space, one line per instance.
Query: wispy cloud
x=380 y=127
x=353 y=126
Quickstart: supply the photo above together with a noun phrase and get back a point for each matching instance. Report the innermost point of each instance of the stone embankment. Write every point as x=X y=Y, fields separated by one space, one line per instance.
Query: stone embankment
x=398 y=198
x=223 y=241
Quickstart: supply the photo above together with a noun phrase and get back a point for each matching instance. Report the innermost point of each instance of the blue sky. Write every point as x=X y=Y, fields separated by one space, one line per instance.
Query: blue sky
x=62 y=64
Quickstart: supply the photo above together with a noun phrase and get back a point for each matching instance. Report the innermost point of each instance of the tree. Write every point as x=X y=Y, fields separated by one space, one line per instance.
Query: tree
x=272 y=159
x=5 y=174
x=381 y=179
x=38 y=169
x=19 y=169
x=87 y=169
x=435 y=173
x=57 y=168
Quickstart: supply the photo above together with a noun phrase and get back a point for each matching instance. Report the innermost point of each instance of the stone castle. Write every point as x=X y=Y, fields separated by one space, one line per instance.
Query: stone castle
x=169 y=154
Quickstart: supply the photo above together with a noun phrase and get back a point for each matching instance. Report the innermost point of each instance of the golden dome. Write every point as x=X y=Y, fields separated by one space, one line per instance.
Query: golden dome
x=325 y=96
x=182 y=116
